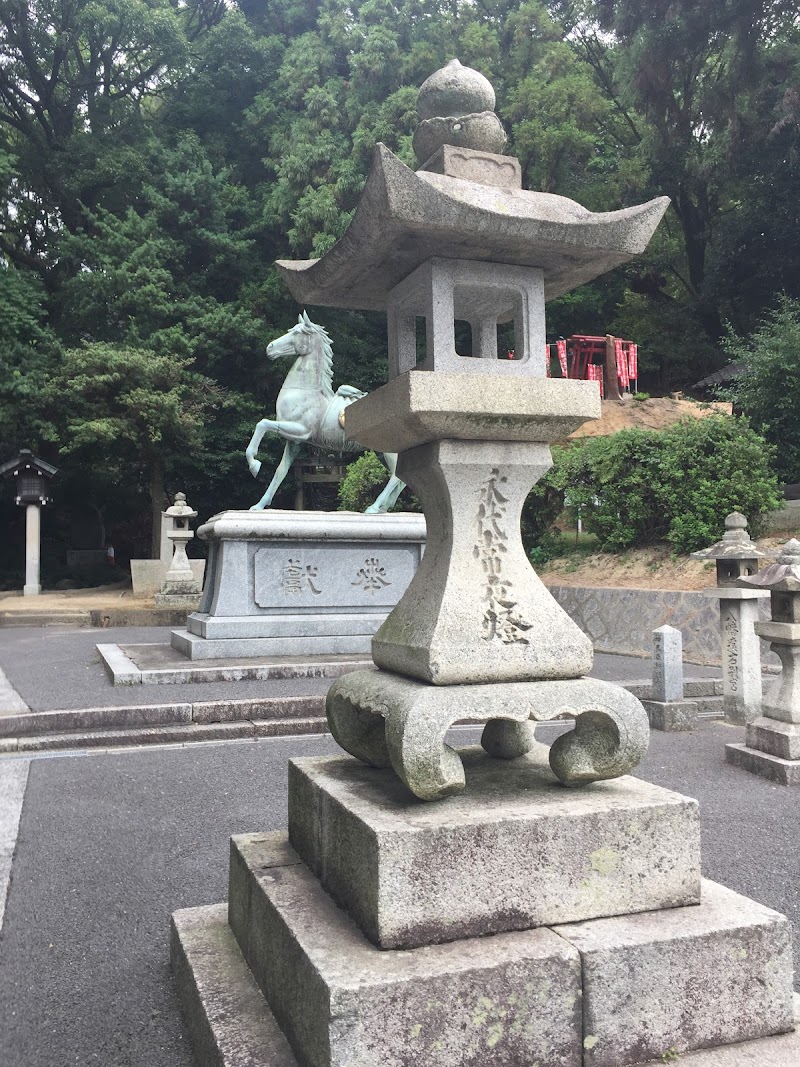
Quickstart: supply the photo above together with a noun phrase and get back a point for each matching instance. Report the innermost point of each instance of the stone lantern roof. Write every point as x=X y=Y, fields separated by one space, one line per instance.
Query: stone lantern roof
x=735 y=542
x=180 y=509
x=465 y=202
x=783 y=576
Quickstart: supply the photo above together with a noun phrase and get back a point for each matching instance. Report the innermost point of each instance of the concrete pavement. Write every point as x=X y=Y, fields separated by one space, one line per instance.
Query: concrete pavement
x=62 y=697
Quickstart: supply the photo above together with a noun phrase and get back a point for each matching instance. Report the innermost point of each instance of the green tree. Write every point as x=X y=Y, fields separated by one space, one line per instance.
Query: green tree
x=74 y=81
x=696 y=84
x=28 y=355
x=769 y=393
x=127 y=412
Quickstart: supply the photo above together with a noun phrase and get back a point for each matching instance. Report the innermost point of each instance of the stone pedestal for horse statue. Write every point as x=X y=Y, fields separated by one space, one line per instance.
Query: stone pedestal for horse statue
x=294 y=583
x=508 y=921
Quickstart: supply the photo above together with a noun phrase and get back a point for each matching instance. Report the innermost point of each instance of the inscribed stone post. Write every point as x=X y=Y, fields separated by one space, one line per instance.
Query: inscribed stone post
x=667 y=664
x=666 y=709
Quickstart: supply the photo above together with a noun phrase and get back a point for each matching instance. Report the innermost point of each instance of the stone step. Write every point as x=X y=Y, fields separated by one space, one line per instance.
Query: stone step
x=683 y=979
x=775 y=768
x=231 y=1025
x=228 y=1019
x=508 y=999
x=183 y=734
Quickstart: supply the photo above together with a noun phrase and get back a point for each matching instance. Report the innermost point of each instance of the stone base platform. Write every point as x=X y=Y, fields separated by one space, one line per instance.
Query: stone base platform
x=515 y=850
x=775 y=768
x=509 y=999
x=725 y=965
x=771 y=750
x=405 y=934
x=348 y=635
x=159 y=664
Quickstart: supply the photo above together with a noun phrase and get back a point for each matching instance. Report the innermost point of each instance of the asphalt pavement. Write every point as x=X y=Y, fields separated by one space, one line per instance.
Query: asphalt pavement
x=56 y=667
x=111 y=844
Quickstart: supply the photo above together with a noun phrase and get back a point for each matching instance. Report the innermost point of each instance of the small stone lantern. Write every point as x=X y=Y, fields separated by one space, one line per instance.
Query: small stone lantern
x=737 y=558
x=33 y=475
x=772 y=745
x=180 y=587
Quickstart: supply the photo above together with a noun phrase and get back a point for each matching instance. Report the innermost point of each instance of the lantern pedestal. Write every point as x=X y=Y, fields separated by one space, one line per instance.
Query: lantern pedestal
x=772 y=742
x=491 y=901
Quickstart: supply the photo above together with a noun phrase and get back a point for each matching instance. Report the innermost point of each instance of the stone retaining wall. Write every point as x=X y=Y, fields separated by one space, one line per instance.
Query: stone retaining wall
x=623 y=620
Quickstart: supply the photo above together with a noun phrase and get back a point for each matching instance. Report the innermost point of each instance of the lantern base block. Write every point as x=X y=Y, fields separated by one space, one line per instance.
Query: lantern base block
x=775 y=768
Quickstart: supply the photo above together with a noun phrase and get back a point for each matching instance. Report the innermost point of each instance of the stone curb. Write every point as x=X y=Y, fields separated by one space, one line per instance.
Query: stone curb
x=122 y=670
x=268 y=717
x=98 y=618
x=54 y=618
x=205 y=712
x=186 y=733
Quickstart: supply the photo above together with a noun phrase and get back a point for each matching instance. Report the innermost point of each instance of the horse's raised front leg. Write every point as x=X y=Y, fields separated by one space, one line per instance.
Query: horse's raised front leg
x=250 y=452
x=291 y=431
x=391 y=491
x=287 y=459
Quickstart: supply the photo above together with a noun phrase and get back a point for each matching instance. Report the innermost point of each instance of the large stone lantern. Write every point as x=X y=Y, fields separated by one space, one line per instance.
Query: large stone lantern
x=737 y=558
x=506 y=921
x=33 y=476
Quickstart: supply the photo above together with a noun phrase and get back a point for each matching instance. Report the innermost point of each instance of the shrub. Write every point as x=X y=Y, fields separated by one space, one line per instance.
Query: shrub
x=677 y=485
x=633 y=488
x=543 y=505
x=713 y=466
x=363 y=481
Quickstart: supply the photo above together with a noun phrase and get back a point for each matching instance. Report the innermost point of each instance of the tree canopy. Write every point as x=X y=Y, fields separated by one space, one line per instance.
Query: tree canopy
x=156 y=157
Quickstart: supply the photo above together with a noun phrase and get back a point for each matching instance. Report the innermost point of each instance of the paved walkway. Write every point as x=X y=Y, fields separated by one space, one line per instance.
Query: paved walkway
x=55 y=668
x=110 y=844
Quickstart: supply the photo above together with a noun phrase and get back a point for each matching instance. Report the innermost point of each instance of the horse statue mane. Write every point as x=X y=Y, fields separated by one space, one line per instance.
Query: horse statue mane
x=326 y=353
x=309 y=411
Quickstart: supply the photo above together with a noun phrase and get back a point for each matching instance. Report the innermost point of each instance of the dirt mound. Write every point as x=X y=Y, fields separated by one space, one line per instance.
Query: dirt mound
x=638 y=568
x=657 y=413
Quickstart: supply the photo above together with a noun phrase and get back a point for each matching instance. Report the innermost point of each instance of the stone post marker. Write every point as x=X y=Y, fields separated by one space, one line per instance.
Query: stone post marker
x=666 y=709
x=568 y=977
x=667 y=664
x=180 y=587
x=737 y=557
x=772 y=745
